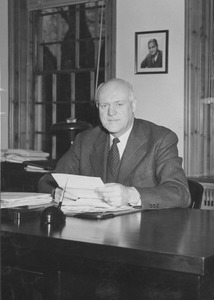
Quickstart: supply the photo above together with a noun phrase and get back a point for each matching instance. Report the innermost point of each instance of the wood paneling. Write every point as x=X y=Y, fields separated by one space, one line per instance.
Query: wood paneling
x=199 y=75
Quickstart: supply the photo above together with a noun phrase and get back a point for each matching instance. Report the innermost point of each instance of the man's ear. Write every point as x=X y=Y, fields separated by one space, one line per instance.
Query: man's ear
x=134 y=104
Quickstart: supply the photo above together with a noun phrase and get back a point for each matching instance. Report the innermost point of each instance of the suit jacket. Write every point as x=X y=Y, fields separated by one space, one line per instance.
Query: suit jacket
x=148 y=62
x=150 y=163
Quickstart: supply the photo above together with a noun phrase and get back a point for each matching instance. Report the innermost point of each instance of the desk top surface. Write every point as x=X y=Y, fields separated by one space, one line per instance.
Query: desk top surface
x=172 y=239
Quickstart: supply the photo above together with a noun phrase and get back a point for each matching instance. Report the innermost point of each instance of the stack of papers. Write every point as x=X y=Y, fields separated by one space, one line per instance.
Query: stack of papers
x=41 y=166
x=30 y=168
x=83 y=187
x=19 y=199
x=21 y=155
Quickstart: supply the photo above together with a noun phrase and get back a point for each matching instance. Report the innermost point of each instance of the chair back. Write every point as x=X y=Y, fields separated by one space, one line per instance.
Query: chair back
x=196 y=191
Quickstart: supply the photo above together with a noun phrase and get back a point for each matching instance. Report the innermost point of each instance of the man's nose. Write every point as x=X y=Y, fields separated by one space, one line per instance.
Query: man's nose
x=111 y=110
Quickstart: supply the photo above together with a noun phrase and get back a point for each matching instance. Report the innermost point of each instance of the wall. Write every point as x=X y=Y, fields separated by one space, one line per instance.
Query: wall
x=160 y=96
x=4 y=73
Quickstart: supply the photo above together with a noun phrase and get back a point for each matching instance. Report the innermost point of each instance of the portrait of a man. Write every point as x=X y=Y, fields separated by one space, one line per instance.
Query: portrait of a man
x=151 y=52
x=154 y=57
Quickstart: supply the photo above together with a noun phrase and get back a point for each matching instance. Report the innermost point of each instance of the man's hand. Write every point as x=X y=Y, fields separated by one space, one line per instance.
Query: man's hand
x=114 y=194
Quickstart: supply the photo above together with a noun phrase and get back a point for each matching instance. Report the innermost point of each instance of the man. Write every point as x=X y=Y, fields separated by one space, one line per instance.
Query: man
x=150 y=172
x=154 y=58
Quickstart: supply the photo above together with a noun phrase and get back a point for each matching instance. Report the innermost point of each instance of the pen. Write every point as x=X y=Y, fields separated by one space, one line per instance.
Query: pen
x=62 y=196
x=75 y=198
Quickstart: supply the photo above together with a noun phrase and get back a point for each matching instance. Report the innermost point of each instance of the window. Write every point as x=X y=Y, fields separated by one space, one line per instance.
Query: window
x=199 y=71
x=68 y=51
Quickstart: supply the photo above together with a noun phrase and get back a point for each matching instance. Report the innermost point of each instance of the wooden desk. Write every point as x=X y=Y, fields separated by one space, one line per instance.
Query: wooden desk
x=176 y=242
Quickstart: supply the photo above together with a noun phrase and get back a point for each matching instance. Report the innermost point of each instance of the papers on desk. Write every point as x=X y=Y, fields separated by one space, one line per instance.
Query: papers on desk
x=35 y=169
x=21 y=155
x=89 y=201
x=82 y=187
x=41 y=166
x=19 y=199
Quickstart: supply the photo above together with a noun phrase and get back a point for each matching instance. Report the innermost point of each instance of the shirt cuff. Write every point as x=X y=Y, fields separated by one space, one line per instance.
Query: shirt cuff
x=134 y=197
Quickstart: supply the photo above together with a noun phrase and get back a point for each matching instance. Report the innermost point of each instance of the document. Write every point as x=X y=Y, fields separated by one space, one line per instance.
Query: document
x=21 y=155
x=89 y=201
x=81 y=186
x=20 y=199
x=41 y=166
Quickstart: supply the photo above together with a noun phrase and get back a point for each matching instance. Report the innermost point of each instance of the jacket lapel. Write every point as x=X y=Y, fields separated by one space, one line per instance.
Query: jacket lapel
x=99 y=156
x=135 y=150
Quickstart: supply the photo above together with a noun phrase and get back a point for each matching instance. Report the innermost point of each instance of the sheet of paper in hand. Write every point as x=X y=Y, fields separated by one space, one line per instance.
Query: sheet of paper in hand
x=89 y=204
x=84 y=187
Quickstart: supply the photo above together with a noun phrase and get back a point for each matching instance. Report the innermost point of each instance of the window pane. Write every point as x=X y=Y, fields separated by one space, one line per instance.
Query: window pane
x=87 y=54
x=47 y=98
x=88 y=21
x=50 y=57
x=82 y=86
x=63 y=97
x=68 y=24
x=84 y=111
x=49 y=28
x=68 y=54
x=47 y=88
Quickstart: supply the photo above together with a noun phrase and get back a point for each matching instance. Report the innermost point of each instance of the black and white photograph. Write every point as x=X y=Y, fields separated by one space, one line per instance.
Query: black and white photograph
x=107 y=150
x=151 y=52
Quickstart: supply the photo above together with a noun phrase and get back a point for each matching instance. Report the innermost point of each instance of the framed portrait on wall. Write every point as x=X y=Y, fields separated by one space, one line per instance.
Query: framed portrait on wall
x=151 y=52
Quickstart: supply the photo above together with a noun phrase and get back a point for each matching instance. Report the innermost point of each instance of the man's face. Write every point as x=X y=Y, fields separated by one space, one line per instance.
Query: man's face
x=152 y=48
x=116 y=110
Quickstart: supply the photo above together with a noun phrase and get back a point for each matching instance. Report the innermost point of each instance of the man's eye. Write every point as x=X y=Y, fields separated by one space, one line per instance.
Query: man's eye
x=119 y=104
x=103 y=106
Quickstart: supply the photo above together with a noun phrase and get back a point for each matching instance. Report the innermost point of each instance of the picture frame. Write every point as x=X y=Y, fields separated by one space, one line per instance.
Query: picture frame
x=151 y=52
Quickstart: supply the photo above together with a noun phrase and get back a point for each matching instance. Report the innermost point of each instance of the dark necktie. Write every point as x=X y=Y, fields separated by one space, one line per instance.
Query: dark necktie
x=113 y=161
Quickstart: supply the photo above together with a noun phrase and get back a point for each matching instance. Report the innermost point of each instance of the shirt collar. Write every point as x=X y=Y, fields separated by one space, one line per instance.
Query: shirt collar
x=124 y=137
x=156 y=56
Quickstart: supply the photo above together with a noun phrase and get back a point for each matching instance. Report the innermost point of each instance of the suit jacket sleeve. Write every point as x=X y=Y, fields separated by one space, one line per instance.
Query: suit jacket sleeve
x=144 y=63
x=171 y=187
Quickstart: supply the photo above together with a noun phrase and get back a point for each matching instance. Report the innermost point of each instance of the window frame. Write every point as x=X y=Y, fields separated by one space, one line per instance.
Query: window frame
x=21 y=110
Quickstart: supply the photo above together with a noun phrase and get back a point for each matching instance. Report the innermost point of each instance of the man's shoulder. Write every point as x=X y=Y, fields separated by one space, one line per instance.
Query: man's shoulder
x=160 y=52
x=149 y=128
x=149 y=124
x=92 y=134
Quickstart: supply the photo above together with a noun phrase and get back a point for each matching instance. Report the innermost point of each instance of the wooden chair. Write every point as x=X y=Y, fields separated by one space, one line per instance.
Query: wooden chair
x=196 y=191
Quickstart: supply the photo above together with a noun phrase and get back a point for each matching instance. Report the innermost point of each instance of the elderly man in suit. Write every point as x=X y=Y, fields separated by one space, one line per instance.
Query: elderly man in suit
x=148 y=169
